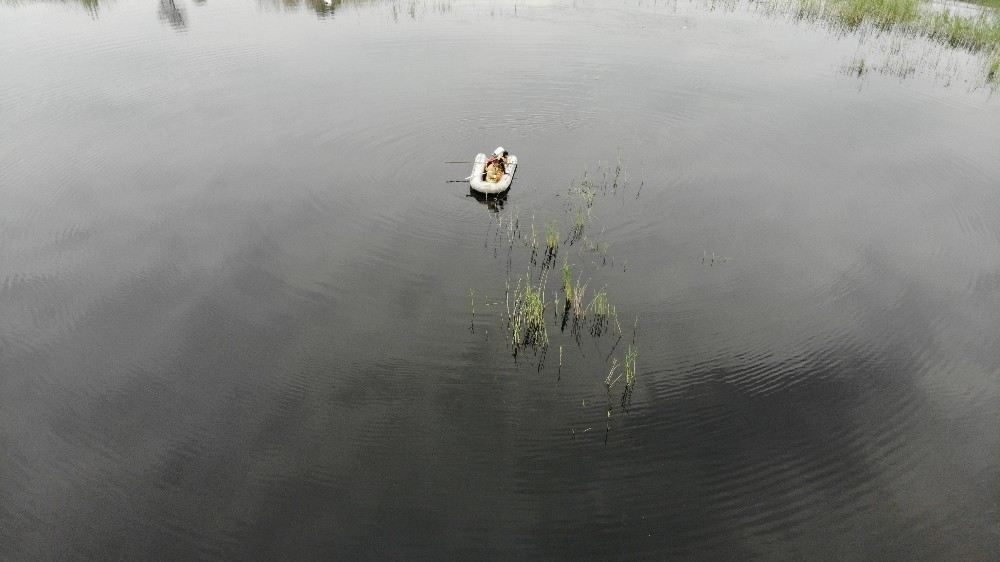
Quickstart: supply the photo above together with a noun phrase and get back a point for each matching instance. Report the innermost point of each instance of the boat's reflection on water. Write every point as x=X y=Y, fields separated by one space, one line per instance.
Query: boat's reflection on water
x=494 y=202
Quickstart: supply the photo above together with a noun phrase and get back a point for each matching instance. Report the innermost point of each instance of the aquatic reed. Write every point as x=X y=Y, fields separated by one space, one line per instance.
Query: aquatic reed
x=600 y=313
x=576 y=300
x=527 y=316
x=973 y=34
x=630 y=356
x=574 y=292
x=611 y=379
x=883 y=14
x=976 y=33
x=567 y=281
x=579 y=223
x=588 y=193
x=552 y=237
x=599 y=305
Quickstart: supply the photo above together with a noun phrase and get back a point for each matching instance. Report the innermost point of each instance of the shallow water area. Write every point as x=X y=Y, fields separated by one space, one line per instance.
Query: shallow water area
x=237 y=289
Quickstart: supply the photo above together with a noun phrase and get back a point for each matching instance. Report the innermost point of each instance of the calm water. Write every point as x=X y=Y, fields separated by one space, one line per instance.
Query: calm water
x=235 y=309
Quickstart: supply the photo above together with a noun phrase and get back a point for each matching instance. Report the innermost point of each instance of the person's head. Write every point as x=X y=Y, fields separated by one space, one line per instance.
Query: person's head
x=500 y=152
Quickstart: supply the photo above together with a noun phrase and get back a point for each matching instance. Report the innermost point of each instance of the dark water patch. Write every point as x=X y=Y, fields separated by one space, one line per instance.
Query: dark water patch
x=235 y=287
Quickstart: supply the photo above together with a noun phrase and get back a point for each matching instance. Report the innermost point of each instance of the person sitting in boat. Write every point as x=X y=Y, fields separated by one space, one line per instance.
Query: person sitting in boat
x=496 y=165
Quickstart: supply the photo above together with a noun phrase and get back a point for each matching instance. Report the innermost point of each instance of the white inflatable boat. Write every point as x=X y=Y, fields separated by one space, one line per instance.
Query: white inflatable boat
x=479 y=183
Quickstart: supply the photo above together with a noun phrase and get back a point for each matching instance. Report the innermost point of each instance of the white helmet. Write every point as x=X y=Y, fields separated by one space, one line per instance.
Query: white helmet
x=499 y=151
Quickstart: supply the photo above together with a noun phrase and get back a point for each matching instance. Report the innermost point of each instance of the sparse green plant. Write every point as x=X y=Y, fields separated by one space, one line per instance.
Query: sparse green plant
x=630 y=375
x=809 y=9
x=630 y=357
x=611 y=379
x=858 y=67
x=588 y=193
x=601 y=312
x=576 y=300
x=552 y=237
x=567 y=273
x=599 y=247
x=587 y=190
x=527 y=316
x=993 y=71
x=579 y=223
x=599 y=305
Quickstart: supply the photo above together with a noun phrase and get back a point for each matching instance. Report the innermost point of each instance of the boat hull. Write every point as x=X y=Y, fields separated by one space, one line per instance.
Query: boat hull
x=477 y=183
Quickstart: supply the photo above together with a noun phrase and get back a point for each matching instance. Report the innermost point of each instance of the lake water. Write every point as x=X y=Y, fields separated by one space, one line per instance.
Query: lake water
x=237 y=289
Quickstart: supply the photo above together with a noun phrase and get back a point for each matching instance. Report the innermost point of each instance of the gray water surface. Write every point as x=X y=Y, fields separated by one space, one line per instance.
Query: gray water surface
x=236 y=289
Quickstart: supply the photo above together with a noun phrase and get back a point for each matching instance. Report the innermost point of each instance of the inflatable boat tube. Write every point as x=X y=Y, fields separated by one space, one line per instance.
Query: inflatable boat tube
x=482 y=186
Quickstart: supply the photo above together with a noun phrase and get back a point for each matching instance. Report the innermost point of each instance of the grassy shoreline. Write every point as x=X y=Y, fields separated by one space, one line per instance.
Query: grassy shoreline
x=977 y=34
x=995 y=4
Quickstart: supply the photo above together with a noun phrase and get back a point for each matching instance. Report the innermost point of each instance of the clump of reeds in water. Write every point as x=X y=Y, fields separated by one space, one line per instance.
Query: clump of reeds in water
x=630 y=357
x=526 y=317
x=574 y=293
x=533 y=242
x=575 y=300
x=630 y=373
x=567 y=273
x=993 y=71
x=981 y=33
x=601 y=312
x=883 y=14
x=551 y=239
x=579 y=223
x=588 y=192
